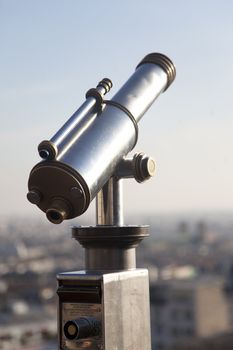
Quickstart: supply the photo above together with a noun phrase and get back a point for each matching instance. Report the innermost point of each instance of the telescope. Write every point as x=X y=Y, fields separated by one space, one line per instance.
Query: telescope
x=105 y=306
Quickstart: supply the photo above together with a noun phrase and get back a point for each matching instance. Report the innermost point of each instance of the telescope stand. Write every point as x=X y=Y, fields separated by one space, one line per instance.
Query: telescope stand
x=106 y=306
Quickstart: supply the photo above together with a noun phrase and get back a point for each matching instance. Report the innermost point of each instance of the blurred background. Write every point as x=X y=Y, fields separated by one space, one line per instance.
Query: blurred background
x=51 y=53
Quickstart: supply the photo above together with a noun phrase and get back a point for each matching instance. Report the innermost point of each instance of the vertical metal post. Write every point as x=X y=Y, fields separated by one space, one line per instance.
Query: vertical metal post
x=109 y=203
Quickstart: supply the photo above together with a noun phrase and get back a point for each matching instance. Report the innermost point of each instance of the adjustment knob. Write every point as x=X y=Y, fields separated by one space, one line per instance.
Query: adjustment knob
x=34 y=196
x=83 y=327
x=144 y=167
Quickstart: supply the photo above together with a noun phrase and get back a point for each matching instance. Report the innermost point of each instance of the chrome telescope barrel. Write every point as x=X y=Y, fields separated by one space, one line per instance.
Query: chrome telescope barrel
x=153 y=75
x=65 y=186
x=67 y=134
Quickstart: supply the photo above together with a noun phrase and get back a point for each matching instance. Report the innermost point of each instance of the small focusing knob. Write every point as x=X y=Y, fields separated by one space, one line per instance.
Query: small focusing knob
x=83 y=327
x=144 y=167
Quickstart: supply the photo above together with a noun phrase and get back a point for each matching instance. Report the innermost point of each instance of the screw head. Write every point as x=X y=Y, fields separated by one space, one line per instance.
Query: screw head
x=34 y=197
x=76 y=192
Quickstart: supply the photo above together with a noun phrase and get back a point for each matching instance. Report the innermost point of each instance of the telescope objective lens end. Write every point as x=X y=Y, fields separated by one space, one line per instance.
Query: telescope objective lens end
x=164 y=62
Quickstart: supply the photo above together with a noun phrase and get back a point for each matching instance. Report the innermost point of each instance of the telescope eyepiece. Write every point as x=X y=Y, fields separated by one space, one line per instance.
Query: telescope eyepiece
x=55 y=216
x=58 y=211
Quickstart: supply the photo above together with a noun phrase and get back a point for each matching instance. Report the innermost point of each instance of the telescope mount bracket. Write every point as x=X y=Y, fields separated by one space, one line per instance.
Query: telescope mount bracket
x=111 y=245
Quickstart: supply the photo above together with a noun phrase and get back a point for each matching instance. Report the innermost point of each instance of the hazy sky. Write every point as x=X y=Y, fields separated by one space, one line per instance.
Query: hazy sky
x=53 y=51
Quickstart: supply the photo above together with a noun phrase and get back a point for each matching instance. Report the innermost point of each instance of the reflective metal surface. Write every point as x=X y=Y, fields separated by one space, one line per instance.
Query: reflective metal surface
x=71 y=127
x=114 y=259
x=110 y=247
x=127 y=311
x=142 y=88
x=76 y=124
x=140 y=167
x=109 y=203
x=97 y=151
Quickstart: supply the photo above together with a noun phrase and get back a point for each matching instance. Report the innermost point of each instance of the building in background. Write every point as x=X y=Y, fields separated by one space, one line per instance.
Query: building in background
x=185 y=311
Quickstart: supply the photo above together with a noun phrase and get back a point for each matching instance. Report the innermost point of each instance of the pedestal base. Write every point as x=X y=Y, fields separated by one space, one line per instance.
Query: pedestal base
x=110 y=248
x=119 y=300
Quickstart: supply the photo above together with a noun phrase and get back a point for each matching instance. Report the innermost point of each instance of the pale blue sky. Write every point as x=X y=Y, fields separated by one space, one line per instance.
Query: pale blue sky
x=53 y=51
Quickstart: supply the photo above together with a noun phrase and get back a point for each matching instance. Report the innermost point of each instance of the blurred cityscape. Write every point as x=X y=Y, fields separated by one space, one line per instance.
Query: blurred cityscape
x=190 y=260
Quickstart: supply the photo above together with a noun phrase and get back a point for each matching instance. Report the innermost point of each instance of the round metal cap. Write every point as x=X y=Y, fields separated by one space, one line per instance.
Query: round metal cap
x=144 y=167
x=65 y=193
x=164 y=62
